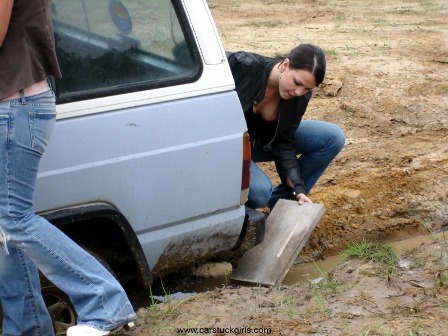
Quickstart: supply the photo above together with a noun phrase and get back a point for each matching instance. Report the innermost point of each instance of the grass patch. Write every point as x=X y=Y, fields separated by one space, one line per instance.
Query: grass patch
x=442 y=88
x=325 y=287
x=265 y=23
x=374 y=330
x=403 y=10
x=383 y=253
x=330 y=52
x=428 y=5
x=379 y=21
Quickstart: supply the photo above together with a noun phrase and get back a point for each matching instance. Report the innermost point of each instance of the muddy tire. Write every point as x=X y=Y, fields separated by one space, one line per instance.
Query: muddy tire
x=61 y=310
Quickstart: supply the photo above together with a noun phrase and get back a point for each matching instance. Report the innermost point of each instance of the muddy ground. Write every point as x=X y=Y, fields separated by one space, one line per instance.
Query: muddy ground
x=387 y=88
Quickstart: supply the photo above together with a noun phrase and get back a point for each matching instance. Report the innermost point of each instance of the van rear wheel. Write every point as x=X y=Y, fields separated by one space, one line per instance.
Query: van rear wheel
x=61 y=310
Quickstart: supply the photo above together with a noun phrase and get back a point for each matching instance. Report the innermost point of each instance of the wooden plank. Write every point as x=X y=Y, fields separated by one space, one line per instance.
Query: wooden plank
x=288 y=228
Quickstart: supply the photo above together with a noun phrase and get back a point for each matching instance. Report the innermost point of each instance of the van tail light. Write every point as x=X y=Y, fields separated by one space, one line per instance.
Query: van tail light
x=245 y=176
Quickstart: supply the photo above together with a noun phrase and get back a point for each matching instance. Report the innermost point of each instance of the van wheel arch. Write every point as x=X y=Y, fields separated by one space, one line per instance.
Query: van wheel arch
x=105 y=233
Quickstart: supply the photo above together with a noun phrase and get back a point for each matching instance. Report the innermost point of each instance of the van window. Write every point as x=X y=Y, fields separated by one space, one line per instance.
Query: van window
x=108 y=47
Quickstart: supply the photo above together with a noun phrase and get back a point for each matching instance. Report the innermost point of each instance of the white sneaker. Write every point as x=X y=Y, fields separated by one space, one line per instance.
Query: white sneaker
x=129 y=326
x=83 y=330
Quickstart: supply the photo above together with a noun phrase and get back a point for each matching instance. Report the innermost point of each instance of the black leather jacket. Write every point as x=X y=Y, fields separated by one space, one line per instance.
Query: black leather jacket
x=251 y=72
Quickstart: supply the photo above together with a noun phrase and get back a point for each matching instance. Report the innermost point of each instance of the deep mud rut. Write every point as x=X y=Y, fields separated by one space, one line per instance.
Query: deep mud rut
x=387 y=88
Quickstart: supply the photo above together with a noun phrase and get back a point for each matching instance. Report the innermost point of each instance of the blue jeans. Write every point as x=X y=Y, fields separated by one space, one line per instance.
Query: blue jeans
x=29 y=242
x=317 y=142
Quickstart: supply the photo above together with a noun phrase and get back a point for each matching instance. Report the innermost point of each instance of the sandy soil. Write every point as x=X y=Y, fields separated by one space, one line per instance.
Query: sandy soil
x=387 y=87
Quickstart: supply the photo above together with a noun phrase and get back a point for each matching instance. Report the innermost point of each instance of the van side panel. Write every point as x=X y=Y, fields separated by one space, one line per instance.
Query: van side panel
x=173 y=169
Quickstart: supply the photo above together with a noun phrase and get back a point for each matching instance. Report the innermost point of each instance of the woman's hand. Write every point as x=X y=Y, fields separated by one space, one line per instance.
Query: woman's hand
x=302 y=198
x=5 y=16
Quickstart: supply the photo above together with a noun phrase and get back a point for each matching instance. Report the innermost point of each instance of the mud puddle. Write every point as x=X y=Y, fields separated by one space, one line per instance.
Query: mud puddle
x=182 y=287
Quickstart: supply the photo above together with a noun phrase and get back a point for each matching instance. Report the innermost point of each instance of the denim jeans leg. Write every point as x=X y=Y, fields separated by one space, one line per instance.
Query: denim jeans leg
x=98 y=298
x=25 y=312
x=260 y=187
x=318 y=143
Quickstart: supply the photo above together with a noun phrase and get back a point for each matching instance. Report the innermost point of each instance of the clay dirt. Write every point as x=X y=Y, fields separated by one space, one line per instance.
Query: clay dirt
x=387 y=88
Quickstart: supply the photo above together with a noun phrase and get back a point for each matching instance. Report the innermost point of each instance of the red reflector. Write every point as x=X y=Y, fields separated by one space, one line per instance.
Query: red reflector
x=245 y=177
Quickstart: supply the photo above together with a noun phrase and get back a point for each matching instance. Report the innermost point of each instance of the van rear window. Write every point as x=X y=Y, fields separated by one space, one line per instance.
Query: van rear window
x=108 y=47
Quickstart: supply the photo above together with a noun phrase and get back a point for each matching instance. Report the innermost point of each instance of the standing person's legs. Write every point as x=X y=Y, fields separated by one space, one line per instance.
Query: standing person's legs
x=24 y=310
x=318 y=143
x=98 y=298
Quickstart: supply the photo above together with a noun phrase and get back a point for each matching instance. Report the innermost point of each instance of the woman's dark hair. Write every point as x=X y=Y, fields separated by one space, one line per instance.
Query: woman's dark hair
x=308 y=57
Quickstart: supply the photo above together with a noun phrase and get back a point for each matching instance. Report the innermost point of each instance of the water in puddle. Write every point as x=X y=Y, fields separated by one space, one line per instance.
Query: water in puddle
x=302 y=273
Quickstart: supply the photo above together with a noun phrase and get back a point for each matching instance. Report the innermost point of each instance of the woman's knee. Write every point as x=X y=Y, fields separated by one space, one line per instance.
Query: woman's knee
x=336 y=137
x=317 y=135
x=331 y=136
x=13 y=223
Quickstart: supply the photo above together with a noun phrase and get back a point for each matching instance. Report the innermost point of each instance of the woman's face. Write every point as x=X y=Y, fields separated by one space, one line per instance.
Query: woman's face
x=294 y=82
